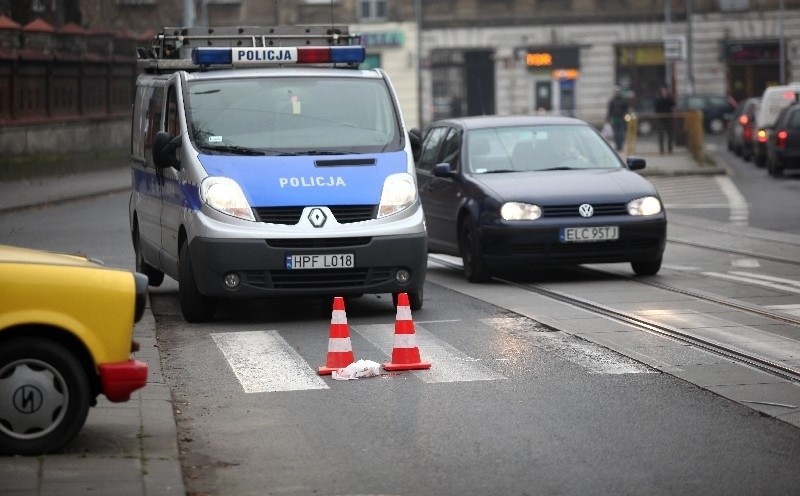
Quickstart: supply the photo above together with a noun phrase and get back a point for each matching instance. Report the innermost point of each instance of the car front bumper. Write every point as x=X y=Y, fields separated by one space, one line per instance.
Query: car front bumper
x=516 y=247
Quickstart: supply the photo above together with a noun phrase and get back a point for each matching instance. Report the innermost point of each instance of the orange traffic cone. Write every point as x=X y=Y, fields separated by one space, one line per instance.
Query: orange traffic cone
x=405 y=353
x=340 y=350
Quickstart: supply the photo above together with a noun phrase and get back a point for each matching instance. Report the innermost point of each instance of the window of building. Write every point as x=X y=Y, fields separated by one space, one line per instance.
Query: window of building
x=373 y=10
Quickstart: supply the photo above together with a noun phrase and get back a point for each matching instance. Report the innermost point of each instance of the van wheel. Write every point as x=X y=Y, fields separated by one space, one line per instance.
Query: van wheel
x=48 y=396
x=414 y=299
x=154 y=276
x=647 y=267
x=475 y=269
x=195 y=306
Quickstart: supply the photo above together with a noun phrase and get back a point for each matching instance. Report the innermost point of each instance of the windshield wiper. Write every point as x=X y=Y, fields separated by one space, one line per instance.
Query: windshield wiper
x=557 y=168
x=237 y=150
x=496 y=171
x=326 y=152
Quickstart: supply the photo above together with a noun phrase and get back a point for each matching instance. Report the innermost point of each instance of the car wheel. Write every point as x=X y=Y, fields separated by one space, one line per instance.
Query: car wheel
x=759 y=161
x=414 y=300
x=195 y=306
x=774 y=169
x=475 y=268
x=716 y=126
x=154 y=276
x=45 y=395
x=647 y=267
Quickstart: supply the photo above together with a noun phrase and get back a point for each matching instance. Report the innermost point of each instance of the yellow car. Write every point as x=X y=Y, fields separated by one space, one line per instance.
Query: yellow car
x=66 y=336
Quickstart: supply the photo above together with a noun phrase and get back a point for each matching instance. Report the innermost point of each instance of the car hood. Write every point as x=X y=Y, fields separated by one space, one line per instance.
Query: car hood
x=14 y=254
x=566 y=187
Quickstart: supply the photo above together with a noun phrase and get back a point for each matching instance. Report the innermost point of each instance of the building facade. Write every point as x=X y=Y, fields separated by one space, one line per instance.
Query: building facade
x=469 y=57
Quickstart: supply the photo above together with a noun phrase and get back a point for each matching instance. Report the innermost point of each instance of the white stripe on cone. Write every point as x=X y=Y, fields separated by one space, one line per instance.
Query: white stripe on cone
x=403 y=313
x=338 y=317
x=405 y=341
x=339 y=345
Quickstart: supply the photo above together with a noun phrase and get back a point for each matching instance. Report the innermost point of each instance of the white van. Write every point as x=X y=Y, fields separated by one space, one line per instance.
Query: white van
x=265 y=163
x=774 y=99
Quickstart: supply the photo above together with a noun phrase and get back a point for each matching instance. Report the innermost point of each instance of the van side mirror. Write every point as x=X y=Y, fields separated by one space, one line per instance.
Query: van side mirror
x=415 y=139
x=164 y=146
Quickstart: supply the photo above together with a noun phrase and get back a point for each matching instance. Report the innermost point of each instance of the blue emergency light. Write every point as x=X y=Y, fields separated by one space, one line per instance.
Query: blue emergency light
x=244 y=56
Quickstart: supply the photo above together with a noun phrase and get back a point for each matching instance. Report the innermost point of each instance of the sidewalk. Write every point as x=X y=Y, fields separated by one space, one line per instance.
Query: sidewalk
x=131 y=448
x=124 y=448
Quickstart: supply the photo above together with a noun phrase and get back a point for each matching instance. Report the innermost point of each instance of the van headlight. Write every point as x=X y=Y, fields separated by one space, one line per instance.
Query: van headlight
x=648 y=205
x=224 y=194
x=399 y=192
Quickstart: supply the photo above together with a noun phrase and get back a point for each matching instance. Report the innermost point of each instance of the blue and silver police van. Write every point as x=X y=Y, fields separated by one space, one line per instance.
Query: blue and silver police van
x=265 y=163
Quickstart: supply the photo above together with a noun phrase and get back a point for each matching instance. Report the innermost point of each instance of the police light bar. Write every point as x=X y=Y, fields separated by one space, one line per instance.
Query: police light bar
x=251 y=56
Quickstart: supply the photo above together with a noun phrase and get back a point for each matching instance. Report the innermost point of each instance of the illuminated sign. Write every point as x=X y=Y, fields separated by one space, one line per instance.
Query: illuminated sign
x=544 y=59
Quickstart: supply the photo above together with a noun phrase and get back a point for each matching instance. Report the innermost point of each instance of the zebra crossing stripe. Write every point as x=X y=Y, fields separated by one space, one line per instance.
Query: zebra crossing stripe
x=448 y=363
x=264 y=362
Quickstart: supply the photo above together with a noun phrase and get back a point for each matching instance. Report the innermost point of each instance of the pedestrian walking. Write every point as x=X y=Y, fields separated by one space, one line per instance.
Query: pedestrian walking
x=617 y=109
x=664 y=105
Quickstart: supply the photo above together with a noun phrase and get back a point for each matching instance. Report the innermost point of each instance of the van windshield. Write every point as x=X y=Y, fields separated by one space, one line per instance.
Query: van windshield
x=297 y=115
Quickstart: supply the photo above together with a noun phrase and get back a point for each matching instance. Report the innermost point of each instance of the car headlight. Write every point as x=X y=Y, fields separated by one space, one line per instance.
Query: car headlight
x=520 y=211
x=648 y=205
x=225 y=195
x=399 y=193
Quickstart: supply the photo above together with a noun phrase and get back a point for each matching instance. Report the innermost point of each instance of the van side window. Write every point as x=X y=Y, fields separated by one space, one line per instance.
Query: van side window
x=173 y=126
x=154 y=121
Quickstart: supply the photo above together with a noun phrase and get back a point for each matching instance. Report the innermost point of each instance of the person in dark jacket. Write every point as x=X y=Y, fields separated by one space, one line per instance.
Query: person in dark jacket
x=664 y=105
x=617 y=108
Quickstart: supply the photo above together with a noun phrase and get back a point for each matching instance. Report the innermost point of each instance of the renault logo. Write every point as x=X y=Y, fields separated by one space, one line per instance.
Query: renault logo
x=317 y=217
x=586 y=210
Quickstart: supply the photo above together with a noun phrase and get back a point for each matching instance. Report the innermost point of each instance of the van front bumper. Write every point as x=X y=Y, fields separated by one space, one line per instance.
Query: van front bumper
x=383 y=264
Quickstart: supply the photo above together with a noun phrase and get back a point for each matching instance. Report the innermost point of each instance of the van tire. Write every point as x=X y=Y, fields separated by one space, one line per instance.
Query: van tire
x=414 y=299
x=154 y=276
x=195 y=306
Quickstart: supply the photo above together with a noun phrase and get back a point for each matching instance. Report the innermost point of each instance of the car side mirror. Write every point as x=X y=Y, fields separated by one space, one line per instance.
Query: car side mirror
x=415 y=139
x=442 y=170
x=636 y=163
x=164 y=146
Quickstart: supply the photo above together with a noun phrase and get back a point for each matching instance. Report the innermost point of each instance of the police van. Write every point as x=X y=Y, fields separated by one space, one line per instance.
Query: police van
x=265 y=163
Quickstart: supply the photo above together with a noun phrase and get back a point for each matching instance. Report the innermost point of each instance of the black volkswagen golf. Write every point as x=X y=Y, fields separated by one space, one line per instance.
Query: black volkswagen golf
x=516 y=192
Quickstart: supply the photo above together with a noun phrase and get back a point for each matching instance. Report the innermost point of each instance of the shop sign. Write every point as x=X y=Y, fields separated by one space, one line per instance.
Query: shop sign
x=384 y=39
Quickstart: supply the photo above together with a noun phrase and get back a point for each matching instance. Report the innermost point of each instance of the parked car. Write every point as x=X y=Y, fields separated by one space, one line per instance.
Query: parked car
x=773 y=100
x=66 y=336
x=783 y=148
x=742 y=128
x=510 y=193
x=717 y=110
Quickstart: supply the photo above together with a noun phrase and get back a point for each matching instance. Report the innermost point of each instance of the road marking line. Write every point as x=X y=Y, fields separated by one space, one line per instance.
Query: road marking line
x=751 y=280
x=448 y=363
x=264 y=362
x=739 y=212
x=765 y=277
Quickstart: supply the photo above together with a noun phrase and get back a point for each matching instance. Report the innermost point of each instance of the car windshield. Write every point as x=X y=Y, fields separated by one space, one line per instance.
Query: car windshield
x=298 y=115
x=538 y=148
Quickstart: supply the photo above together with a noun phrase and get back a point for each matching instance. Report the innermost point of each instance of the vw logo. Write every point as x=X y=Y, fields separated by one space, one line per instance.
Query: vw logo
x=586 y=210
x=317 y=217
